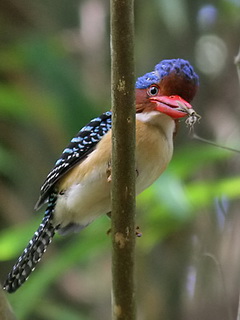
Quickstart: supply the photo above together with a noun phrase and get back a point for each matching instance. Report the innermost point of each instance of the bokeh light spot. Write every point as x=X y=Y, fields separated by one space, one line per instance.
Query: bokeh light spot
x=211 y=53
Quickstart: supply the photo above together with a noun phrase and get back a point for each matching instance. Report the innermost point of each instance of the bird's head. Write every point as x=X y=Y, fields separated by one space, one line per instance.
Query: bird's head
x=168 y=89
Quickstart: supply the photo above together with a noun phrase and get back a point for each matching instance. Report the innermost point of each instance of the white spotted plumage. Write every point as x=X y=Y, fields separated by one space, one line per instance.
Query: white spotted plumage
x=78 y=187
x=84 y=193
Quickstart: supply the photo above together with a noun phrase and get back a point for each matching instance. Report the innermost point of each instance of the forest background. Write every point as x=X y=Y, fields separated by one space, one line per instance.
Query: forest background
x=54 y=77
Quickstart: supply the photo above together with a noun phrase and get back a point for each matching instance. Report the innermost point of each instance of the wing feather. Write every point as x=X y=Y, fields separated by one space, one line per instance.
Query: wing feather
x=80 y=146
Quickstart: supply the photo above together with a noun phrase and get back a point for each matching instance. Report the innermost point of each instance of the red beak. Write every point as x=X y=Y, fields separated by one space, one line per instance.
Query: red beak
x=174 y=106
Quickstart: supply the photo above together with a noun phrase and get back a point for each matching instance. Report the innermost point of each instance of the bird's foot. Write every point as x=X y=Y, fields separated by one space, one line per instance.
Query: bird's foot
x=109 y=232
x=109 y=172
x=138 y=232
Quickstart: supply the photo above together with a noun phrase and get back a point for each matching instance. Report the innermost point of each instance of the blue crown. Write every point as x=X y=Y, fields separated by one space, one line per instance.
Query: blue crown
x=164 y=68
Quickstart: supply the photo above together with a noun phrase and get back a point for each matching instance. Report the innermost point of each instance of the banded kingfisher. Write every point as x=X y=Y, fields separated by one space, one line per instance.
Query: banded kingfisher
x=77 y=189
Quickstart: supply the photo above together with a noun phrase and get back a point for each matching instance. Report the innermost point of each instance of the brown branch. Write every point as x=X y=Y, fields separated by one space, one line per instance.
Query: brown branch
x=237 y=62
x=123 y=160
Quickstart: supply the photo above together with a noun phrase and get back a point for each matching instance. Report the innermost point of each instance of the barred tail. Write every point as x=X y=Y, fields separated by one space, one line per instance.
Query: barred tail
x=32 y=254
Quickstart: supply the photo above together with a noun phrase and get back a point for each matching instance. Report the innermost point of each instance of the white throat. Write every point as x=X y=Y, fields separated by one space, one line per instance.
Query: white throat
x=165 y=123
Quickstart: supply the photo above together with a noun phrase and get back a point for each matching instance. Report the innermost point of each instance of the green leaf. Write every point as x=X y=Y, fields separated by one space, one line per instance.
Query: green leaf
x=192 y=158
x=86 y=246
x=201 y=194
x=13 y=240
x=52 y=311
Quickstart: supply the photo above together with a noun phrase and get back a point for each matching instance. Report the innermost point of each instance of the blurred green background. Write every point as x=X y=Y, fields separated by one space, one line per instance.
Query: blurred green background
x=54 y=77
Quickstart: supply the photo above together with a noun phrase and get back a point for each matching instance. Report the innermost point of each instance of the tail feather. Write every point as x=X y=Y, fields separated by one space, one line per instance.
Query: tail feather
x=32 y=254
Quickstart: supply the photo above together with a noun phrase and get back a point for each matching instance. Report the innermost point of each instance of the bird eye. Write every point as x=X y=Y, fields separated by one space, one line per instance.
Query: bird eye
x=153 y=90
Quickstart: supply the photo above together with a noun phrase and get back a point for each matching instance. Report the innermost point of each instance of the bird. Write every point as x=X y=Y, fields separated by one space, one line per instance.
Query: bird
x=77 y=190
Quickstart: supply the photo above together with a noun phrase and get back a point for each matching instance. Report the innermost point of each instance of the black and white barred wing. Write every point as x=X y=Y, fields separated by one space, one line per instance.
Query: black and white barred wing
x=80 y=146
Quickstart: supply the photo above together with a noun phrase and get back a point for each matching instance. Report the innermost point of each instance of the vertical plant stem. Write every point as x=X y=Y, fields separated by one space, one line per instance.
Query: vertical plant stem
x=237 y=62
x=238 y=312
x=123 y=160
